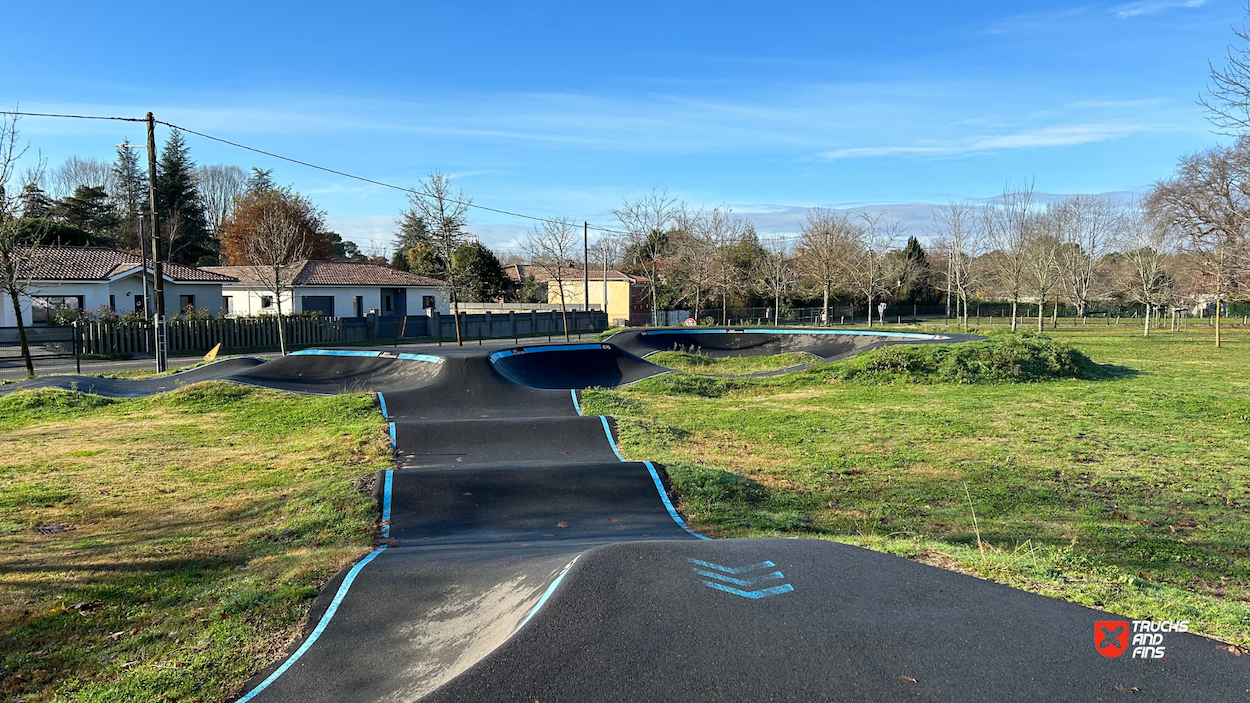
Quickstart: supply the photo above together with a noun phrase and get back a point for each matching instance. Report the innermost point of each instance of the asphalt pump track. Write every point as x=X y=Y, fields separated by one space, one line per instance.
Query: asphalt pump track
x=524 y=559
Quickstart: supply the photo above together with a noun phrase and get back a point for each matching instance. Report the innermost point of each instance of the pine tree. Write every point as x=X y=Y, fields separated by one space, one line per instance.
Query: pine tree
x=413 y=234
x=184 y=227
x=34 y=203
x=261 y=180
x=89 y=210
x=130 y=192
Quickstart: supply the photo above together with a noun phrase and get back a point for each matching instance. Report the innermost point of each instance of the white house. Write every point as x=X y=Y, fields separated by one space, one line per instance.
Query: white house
x=333 y=288
x=88 y=278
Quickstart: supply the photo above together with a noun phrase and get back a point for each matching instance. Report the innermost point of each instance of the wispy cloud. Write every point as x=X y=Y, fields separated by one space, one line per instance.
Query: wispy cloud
x=1057 y=135
x=1150 y=7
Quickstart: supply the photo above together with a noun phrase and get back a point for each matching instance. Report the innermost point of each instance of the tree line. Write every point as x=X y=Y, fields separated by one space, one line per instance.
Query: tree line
x=206 y=213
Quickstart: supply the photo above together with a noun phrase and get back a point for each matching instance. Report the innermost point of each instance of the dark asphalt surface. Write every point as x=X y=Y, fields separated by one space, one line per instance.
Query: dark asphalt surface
x=527 y=562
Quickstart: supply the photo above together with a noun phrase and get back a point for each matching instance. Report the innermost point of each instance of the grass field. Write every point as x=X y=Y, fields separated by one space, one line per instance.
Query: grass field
x=1126 y=487
x=166 y=548
x=695 y=362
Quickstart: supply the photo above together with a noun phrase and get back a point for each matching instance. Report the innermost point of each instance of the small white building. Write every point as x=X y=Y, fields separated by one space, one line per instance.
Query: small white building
x=88 y=278
x=333 y=288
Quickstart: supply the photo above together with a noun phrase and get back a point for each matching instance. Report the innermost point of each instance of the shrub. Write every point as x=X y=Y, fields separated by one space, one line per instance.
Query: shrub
x=1007 y=358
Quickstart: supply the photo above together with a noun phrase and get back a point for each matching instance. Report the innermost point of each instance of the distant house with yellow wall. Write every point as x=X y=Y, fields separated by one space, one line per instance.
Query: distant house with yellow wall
x=628 y=296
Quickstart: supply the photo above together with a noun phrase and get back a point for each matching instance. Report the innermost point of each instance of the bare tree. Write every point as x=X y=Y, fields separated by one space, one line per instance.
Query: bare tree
x=777 y=275
x=553 y=247
x=1091 y=225
x=1041 y=260
x=1227 y=99
x=1147 y=245
x=219 y=185
x=20 y=259
x=1208 y=201
x=1005 y=225
x=444 y=213
x=646 y=221
x=870 y=272
x=956 y=233
x=827 y=242
x=77 y=171
x=726 y=233
x=277 y=245
x=695 y=244
x=605 y=251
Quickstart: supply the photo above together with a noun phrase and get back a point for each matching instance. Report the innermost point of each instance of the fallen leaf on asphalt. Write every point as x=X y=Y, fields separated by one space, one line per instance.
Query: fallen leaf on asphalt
x=562 y=523
x=1120 y=688
x=611 y=519
x=1232 y=649
x=468 y=494
x=907 y=678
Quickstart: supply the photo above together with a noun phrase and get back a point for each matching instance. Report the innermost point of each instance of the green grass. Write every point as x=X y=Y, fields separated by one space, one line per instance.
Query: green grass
x=699 y=363
x=1103 y=468
x=166 y=548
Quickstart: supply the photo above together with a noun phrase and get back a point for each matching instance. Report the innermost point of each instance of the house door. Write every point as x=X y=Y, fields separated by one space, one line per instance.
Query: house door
x=395 y=301
x=323 y=304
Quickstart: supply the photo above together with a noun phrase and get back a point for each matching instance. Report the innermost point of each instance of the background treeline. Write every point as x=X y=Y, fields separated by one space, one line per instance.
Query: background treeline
x=206 y=213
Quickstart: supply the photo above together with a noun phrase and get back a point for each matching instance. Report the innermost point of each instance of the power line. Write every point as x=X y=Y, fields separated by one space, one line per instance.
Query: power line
x=606 y=230
x=77 y=117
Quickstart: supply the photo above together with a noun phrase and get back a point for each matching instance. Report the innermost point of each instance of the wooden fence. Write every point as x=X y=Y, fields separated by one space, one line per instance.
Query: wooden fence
x=242 y=334
x=234 y=334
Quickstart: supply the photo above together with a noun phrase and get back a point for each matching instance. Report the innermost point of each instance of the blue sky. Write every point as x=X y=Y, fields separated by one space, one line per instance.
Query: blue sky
x=567 y=108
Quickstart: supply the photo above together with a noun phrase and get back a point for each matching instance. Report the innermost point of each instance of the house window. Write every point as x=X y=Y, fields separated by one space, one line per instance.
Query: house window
x=227 y=304
x=358 y=305
x=427 y=301
x=186 y=301
x=139 y=304
x=266 y=301
x=113 y=303
x=388 y=303
x=43 y=308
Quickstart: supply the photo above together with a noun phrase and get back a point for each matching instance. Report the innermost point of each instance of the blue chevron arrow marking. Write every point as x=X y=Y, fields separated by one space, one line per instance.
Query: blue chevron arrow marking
x=775 y=590
x=740 y=582
x=728 y=570
x=723 y=580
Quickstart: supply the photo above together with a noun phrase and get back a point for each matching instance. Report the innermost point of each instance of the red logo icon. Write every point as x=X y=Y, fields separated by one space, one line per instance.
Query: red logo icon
x=1111 y=637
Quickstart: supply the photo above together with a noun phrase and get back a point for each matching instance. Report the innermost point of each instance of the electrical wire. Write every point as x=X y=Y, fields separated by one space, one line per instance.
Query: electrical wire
x=344 y=174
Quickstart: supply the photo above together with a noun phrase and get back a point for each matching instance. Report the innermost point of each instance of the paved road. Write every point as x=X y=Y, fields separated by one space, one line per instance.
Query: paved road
x=526 y=560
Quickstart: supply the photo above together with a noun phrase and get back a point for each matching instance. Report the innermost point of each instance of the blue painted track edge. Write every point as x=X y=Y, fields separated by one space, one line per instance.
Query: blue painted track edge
x=546 y=594
x=668 y=504
x=608 y=431
x=545 y=348
x=754 y=330
x=329 y=614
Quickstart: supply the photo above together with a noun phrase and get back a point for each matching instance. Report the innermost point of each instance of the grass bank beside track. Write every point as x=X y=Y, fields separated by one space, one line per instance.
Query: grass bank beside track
x=166 y=548
x=695 y=362
x=1123 y=484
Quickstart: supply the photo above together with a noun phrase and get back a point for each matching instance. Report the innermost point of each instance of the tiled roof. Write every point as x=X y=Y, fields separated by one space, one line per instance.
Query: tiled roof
x=332 y=273
x=517 y=272
x=98 y=264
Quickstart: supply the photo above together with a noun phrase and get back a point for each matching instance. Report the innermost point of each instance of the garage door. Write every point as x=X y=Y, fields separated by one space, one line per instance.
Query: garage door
x=323 y=304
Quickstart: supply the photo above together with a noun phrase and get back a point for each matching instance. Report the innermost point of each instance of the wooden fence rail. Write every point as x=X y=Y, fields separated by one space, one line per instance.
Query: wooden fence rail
x=234 y=334
x=240 y=334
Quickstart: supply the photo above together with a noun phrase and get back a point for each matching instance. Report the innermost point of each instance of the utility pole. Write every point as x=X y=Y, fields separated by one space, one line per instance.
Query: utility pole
x=158 y=271
x=586 y=264
x=143 y=250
